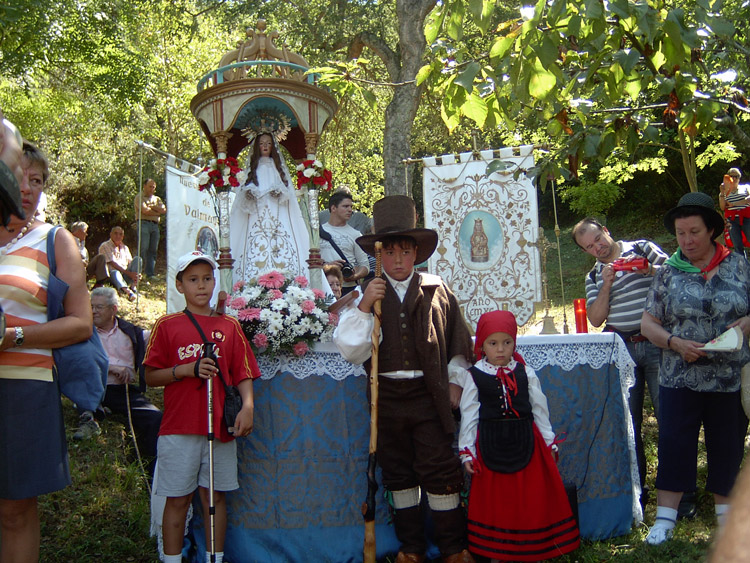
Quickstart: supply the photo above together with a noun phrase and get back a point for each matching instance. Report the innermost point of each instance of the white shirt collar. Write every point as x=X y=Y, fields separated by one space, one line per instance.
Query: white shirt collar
x=487 y=367
x=400 y=286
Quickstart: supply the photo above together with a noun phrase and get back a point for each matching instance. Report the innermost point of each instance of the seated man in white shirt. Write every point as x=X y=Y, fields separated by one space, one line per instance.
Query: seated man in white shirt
x=125 y=347
x=122 y=268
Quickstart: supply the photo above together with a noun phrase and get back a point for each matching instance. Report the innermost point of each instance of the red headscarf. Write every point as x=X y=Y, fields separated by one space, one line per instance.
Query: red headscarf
x=496 y=321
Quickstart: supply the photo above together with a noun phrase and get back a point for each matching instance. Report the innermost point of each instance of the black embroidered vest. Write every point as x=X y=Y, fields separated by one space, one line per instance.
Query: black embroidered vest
x=504 y=439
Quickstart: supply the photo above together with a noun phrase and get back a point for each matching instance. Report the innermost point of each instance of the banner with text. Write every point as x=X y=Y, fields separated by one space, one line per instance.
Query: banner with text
x=487 y=226
x=192 y=224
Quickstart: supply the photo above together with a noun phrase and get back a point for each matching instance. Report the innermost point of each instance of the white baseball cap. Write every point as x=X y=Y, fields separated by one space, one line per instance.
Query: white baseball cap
x=186 y=259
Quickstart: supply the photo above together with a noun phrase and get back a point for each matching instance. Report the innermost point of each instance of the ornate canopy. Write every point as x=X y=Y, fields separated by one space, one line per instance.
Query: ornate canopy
x=258 y=79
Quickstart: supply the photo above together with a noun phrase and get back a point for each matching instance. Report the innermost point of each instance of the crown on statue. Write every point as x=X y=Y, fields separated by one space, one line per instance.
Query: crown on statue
x=268 y=121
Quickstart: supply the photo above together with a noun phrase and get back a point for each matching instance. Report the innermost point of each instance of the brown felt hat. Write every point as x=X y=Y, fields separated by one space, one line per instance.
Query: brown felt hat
x=396 y=215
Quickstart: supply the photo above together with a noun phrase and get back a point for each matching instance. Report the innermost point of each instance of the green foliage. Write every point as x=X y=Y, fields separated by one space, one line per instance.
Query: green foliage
x=343 y=78
x=90 y=132
x=595 y=76
x=617 y=170
x=591 y=199
x=717 y=153
x=81 y=43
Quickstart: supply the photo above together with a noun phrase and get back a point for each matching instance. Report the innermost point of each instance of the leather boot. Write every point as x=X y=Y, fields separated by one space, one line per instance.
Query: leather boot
x=409 y=557
x=450 y=532
x=462 y=557
x=409 y=526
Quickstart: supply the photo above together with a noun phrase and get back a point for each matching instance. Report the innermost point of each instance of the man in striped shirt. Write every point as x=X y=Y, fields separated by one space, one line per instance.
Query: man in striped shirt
x=618 y=297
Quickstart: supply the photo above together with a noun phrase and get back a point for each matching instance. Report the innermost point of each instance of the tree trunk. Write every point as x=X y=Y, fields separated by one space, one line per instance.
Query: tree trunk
x=399 y=119
x=402 y=109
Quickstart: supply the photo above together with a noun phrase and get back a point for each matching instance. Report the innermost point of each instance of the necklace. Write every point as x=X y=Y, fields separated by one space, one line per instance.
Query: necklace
x=4 y=250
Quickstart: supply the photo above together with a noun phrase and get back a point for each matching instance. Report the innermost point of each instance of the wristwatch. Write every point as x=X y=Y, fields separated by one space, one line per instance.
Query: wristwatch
x=19 y=336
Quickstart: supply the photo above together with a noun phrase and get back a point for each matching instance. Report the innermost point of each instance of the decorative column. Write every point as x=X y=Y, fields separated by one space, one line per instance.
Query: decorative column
x=311 y=144
x=222 y=199
x=225 y=253
x=315 y=262
x=222 y=139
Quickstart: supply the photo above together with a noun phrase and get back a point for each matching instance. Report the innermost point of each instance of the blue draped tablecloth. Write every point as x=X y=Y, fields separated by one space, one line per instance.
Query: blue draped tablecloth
x=586 y=378
x=302 y=471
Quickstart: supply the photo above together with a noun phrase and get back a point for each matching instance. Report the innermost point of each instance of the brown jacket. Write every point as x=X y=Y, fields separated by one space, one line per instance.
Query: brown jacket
x=438 y=330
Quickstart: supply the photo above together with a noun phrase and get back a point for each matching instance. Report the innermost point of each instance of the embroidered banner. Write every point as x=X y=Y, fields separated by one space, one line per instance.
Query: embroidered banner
x=487 y=226
x=192 y=224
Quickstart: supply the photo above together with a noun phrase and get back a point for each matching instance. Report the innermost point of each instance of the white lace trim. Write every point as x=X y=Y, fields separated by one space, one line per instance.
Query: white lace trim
x=323 y=360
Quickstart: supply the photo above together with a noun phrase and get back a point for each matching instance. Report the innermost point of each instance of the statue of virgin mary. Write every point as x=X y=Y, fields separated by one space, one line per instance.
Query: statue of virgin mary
x=267 y=231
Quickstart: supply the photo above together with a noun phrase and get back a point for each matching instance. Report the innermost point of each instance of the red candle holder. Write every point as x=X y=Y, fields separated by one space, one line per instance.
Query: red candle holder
x=582 y=323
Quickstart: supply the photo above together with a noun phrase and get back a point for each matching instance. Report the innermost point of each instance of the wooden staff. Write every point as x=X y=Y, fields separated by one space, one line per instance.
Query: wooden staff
x=368 y=508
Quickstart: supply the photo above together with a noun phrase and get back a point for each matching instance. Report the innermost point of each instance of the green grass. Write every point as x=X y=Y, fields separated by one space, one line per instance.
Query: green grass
x=104 y=515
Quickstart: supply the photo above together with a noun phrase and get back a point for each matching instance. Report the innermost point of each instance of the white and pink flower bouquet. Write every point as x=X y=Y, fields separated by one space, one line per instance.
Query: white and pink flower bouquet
x=281 y=314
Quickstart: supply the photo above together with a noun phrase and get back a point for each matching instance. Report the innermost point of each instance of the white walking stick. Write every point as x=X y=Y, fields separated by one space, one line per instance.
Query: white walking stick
x=209 y=353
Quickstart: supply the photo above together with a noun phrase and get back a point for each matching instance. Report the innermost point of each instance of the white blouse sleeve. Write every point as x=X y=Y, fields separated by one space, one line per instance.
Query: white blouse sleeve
x=467 y=436
x=353 y=335
x=456 y=369
x=539 y=406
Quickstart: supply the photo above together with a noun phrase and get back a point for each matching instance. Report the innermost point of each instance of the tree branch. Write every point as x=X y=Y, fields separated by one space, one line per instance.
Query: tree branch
x=375 y=83
x=738 y=134
x=659 y=145
x=382 y=50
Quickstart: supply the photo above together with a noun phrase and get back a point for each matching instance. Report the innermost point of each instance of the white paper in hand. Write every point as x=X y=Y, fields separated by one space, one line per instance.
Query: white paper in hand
x=729 y=341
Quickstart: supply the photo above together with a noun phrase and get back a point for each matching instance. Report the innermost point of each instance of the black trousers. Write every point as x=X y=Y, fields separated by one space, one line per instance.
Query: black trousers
x=414 y=450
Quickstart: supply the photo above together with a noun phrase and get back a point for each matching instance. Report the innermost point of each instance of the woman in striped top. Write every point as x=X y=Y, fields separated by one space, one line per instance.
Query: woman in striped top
x=33 y=452
x=734 y=202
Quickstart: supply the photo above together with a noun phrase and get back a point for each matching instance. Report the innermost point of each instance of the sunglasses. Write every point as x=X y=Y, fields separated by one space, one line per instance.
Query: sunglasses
x=734 y=176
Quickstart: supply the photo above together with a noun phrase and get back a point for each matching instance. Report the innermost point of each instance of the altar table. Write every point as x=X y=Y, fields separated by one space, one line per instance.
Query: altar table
x=302 y=471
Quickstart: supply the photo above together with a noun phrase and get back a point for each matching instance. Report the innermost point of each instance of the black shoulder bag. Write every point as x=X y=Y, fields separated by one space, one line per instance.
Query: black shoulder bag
x=232 y=397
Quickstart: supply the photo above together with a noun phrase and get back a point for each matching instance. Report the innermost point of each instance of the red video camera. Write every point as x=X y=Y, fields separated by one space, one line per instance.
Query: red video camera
x=630 y=264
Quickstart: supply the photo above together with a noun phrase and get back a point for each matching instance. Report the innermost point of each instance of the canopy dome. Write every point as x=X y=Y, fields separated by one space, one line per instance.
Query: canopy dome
x=257 y=83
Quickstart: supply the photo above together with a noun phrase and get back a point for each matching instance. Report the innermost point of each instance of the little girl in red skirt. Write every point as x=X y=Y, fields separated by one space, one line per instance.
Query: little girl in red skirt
x=518 y=509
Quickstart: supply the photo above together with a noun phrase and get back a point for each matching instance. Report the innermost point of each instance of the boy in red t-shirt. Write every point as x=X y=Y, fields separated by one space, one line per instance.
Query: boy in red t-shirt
x=173 y=359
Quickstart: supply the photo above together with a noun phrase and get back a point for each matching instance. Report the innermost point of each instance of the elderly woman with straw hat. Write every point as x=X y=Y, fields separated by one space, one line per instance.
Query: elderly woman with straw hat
x=702 y=290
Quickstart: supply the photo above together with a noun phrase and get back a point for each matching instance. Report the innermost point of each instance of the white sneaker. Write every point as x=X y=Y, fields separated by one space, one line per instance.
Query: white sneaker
x=659 y=534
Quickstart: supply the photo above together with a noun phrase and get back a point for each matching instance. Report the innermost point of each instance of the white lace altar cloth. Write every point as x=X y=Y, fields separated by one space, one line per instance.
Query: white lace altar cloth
x=586 y=378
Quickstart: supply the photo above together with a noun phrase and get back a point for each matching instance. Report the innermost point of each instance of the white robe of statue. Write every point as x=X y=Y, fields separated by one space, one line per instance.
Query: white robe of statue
x=267 y=231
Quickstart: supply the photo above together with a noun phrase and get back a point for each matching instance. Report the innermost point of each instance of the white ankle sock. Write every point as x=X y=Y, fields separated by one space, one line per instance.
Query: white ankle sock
x=665 y=517
x=219 y=557
x=173 y=558
x=721 y=513
x=663 y=527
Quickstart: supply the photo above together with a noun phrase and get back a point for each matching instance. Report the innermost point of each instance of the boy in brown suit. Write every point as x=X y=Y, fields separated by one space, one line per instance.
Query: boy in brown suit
x=424 y=337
